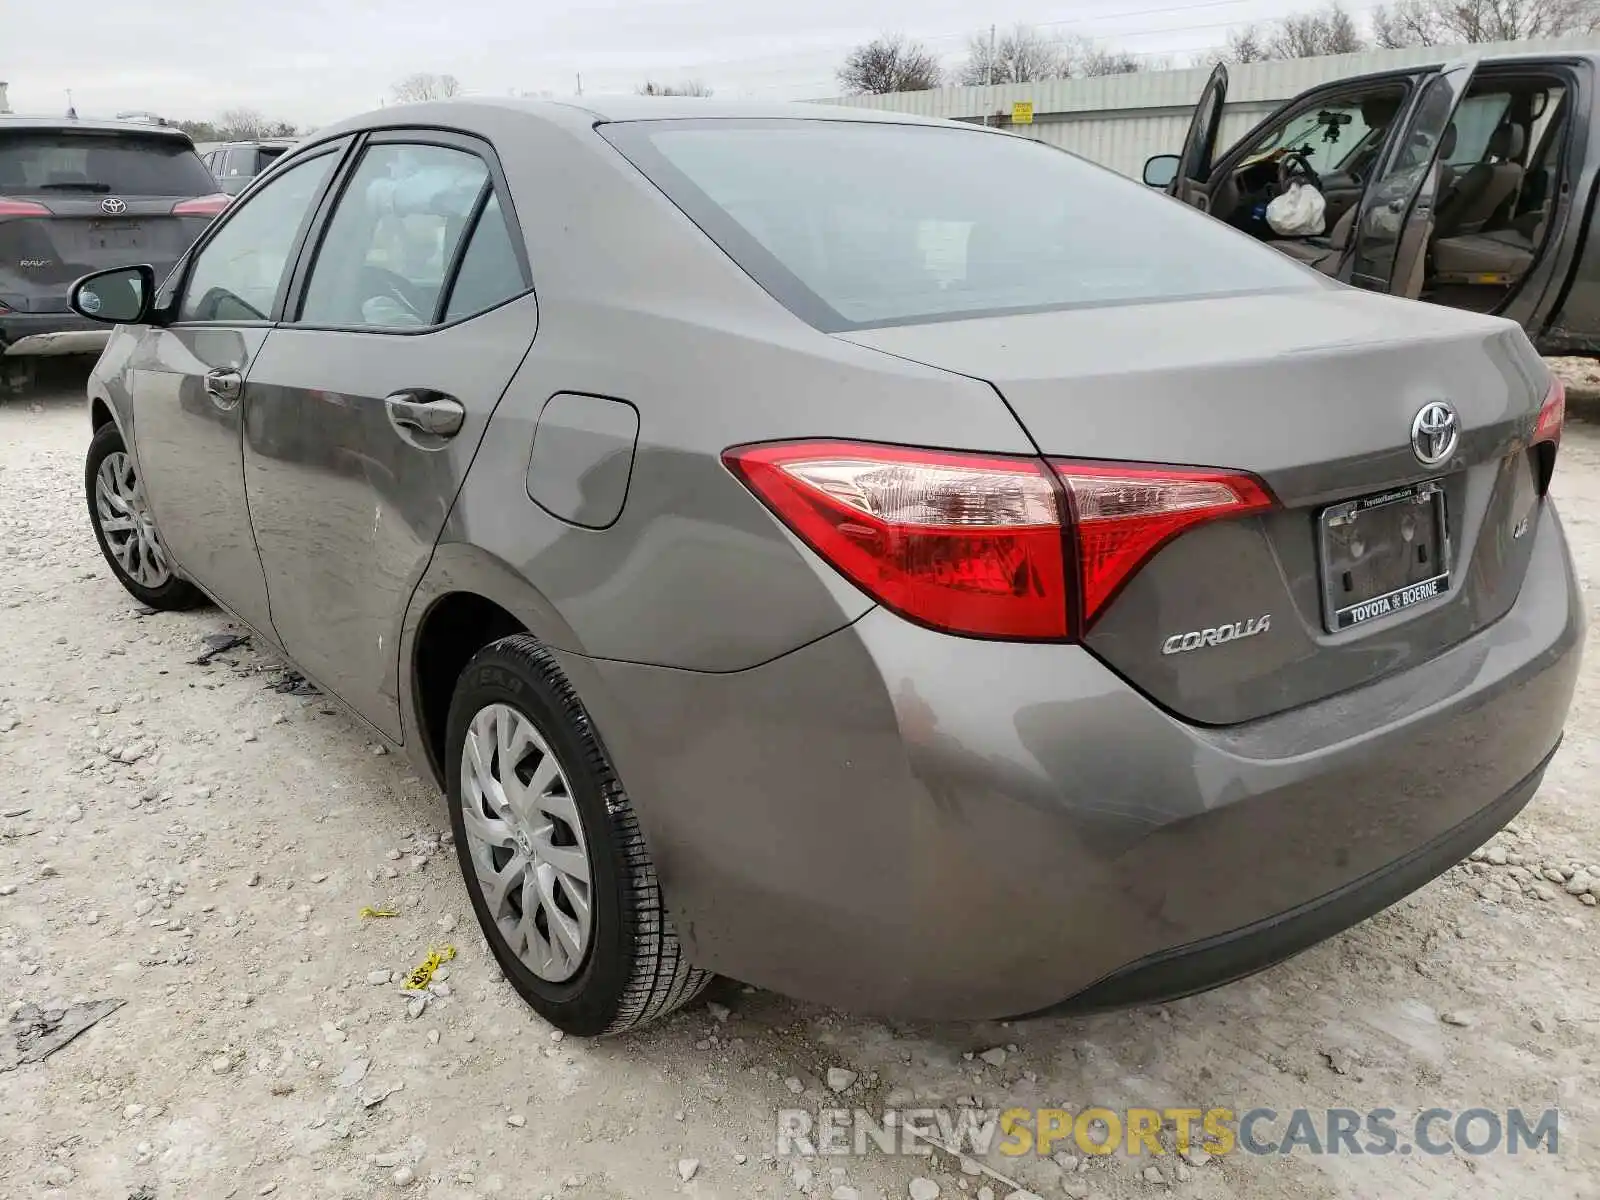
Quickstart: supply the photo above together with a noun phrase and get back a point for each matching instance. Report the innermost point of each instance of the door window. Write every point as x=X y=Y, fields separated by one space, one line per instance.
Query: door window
x=489 y=273
x=1330 y=133
x=1476 y=119
x=236 y=275
x=393 y=237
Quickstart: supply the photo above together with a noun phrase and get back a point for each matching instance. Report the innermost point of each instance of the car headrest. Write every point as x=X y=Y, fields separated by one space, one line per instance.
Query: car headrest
x=1506 y=142
x=1378 y=111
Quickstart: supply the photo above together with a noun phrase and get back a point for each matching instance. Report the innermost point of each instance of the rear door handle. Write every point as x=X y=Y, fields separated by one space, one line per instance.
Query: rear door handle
x=437 y=416
x=224 y=385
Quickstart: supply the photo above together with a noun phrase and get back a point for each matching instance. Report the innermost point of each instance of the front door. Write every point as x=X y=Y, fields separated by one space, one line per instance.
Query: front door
x=1200 y=146
x=365 y=408
x=187 y=380
x=1396 y=217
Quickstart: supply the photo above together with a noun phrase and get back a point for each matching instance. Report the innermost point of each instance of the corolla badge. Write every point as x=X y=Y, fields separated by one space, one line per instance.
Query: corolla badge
x=1196 y=639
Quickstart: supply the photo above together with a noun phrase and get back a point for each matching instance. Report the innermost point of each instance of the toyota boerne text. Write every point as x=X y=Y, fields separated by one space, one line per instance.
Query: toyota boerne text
x=888 y=561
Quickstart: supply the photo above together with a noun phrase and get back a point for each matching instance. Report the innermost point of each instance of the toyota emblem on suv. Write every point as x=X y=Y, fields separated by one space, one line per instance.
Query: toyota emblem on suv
x=113 y=206
x=1434 y=433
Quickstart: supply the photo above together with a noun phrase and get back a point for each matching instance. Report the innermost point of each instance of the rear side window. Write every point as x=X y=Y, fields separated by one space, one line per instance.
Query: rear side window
x=100 y=164
x=393 y=237
x=855 y=224
x=489 y=273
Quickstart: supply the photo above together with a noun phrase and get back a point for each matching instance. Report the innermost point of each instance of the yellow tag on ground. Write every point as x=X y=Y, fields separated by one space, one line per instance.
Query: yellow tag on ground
x=379 y=912
x=422 y=975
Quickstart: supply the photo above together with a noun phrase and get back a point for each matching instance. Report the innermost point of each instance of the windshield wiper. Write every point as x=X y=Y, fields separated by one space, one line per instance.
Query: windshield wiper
x=75 y=187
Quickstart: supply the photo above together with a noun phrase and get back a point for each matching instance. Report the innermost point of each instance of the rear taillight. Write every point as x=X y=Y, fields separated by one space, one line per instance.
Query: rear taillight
x=1123 y=514
x=1547 y=431
x=21 y=208
x=984 y=545
x=202 y=206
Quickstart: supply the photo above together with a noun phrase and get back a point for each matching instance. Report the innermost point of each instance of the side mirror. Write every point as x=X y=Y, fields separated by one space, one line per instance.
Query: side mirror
x=1161 y=170
x=120 y=296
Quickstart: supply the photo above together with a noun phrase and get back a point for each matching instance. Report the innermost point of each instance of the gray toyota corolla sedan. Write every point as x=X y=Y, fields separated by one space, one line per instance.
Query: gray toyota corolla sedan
x=891 y=562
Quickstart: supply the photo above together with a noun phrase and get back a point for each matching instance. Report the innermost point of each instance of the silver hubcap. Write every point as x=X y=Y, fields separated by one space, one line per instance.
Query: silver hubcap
x=125 y=520
x=526 y=841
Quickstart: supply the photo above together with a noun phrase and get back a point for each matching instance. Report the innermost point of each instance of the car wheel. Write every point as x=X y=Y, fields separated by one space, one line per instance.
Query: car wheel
x=126 y=530
x=555 y=864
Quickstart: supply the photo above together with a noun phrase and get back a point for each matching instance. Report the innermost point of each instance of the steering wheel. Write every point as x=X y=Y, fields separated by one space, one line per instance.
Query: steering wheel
x=1295 y=166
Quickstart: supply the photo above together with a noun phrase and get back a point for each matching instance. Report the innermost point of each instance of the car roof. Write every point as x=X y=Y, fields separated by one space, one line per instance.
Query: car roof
x=46 y=124
x=589 y=111
x=1487 y=60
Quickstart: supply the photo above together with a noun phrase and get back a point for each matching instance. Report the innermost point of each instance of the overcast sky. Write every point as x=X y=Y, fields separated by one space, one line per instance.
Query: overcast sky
x=194 y=58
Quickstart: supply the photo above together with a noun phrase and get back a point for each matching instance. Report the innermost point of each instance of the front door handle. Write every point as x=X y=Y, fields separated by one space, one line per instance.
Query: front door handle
x=224 y=385
x=436 y=416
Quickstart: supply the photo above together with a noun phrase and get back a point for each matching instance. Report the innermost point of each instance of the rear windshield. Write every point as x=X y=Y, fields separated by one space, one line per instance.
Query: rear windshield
x=855 y=224
x=100 y=164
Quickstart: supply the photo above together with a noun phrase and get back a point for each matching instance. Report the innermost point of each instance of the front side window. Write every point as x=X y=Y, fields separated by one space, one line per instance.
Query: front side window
x=852 y=224
x=393 y=237
x=237 y=273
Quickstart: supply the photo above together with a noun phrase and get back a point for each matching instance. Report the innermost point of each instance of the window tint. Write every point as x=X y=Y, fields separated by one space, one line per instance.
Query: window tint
x=101 y=164
x=236 y=276
x=393 y=236
x=489 y=272
x=853 y=224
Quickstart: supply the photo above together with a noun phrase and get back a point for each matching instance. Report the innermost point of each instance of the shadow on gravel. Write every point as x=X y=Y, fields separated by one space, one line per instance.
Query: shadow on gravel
x=58 y=383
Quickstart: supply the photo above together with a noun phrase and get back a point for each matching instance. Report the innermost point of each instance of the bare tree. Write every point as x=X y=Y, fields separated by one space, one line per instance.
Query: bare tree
x=242 y=125
x=1440 y=22
x=689 y=87
x=1022 y=55
x=1245 y=45
x=890 y=63
x=425 y=85
x=1313 y=34
x=1086 y=59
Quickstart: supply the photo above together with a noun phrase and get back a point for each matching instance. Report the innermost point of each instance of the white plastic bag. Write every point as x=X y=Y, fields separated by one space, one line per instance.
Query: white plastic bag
x=1299 y=212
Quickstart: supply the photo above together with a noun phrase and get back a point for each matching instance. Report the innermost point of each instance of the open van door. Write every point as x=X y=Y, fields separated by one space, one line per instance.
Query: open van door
x=1396 y=219
x=1200 y=146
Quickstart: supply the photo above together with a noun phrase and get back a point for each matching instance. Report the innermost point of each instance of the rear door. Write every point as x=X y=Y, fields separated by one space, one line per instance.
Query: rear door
x=365 y=408
x=74 y=201
x=1396 y=219
x=1200 y=146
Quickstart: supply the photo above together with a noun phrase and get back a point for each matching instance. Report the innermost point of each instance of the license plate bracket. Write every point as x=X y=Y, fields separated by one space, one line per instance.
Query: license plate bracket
x=1382 y=554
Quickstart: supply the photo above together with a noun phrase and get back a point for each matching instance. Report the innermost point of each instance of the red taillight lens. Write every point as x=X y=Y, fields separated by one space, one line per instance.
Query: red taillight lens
x=21 y=208
x=202 y=206
x=965 y=543
x=1124 y=514
x=1553 y=415
x=980 y=544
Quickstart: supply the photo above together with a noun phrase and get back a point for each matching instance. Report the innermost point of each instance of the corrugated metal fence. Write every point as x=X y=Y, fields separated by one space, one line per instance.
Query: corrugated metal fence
x=1121 y=120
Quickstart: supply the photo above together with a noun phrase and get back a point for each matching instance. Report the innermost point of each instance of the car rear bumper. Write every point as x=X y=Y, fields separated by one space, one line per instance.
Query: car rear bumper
x=50 y=334
x=897 y=821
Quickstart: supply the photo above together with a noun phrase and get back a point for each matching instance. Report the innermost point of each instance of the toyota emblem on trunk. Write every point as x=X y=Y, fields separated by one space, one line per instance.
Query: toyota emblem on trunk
x=113 y=206
x=1434 y=433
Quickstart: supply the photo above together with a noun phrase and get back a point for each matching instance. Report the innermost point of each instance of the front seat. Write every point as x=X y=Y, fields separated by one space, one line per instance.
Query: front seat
x=1322 y=254
x=1478 y=194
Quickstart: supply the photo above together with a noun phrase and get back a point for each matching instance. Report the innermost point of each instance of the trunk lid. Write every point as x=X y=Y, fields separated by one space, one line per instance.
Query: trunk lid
x=88 y=200
x=1315 y=393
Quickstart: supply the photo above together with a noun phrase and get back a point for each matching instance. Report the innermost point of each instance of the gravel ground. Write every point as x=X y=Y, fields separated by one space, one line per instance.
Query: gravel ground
x=198 y=844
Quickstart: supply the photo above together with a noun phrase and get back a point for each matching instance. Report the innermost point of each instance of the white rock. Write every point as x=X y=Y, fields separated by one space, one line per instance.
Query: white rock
x=144 y=907
x=354 y=1073
x=845 y=1192
x=687 y=1167
x=840 y=1079
x=1023 y=1195
x=448 y=923
x=1153 y=1175
x=1066 y=1162
x=970 y=1166
x=73 y=814
x=986 y=1192
x=1578 y=885
x=378 y=977
x=995 y=1057
x=719 y=1012
x=1077 y=1188
x=1461 y=1019
x=404 y=1177
x=1496 y=856
x=221 y=1064
x=8 y=889
x=794 y=1085
x=923 y=1188
x=516 y=1121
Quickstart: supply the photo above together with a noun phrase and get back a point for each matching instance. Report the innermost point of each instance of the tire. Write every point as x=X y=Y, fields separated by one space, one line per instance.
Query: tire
x=631 y=969
x=169 y=592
